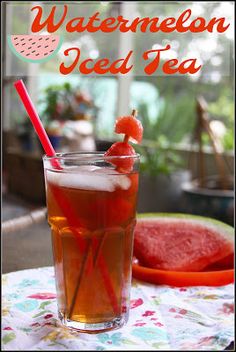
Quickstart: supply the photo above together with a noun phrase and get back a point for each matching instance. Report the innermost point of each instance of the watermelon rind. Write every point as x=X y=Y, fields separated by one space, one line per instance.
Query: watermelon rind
x=34 y=60
x=213 y=223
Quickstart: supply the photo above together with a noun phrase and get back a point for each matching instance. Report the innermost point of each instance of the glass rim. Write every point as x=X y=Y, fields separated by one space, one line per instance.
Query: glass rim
x=88 y=156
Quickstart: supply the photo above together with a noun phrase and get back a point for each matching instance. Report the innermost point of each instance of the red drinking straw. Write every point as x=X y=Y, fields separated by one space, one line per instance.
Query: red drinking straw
x=49 y=150
x=36 y=122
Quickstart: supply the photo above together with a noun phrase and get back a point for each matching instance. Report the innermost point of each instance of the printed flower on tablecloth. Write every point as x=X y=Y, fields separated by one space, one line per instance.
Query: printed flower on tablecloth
x=5 y=310
x=148 y=313
x=27 y=282
x=27 y=305
x=211 y=296
x=8 y=337
x=43 y=295
x=227 y=308
x=139 y=324
x=116 y=339
x=51 y=281
x=48 y=316
x=44 y=304
x=172 y=310
x=181 y=312
x=135 y=303
x=13 y=296
x=59 y=334
x=110 y=339
x=158 y=324
x=149 y=333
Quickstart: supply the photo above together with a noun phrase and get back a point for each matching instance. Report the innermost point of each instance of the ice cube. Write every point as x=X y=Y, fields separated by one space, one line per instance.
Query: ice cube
x=90 y=178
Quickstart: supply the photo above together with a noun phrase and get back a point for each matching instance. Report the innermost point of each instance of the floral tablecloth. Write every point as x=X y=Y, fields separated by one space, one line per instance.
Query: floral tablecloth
x=161 y=317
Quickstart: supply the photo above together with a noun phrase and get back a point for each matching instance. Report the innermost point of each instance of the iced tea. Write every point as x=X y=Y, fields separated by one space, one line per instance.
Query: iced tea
x=91 y=211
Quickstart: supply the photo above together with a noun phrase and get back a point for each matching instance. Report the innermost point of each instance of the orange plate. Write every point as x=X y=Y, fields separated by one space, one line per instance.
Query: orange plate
x=178 y=278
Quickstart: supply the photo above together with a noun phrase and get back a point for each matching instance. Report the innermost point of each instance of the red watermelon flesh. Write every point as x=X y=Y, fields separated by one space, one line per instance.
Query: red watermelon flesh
x=223 y=264
x=124 y=150
x=180 y=244
x=131 y=127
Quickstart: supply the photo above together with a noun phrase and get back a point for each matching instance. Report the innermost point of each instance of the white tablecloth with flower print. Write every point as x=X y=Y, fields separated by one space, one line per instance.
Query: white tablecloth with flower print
x=161 y=317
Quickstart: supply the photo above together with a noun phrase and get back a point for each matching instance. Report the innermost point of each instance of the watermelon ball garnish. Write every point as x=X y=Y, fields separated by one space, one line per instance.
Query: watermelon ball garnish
x=132 y=128
x=124 y=149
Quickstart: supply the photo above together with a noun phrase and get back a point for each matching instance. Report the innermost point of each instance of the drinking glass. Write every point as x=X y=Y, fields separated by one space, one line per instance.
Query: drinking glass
x=91 y=212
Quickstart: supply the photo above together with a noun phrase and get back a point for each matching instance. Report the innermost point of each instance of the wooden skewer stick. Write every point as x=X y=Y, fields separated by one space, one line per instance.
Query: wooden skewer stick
x=203 y=116
x=199 y=128
x=134 y=114
x=218 y=157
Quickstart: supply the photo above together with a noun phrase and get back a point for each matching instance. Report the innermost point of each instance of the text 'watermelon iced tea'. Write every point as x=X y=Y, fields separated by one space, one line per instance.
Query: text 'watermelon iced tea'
x=91 y=211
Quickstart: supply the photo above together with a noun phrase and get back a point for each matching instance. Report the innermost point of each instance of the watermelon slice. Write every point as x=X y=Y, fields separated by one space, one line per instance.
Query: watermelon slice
x=34 y=48
x=181 y=242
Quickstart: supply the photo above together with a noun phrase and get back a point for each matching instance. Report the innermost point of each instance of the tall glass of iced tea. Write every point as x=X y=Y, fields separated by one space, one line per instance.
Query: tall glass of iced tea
x=91 y=212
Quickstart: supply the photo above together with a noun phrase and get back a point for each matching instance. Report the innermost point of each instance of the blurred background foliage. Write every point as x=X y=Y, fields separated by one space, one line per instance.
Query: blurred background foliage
x=177 y=113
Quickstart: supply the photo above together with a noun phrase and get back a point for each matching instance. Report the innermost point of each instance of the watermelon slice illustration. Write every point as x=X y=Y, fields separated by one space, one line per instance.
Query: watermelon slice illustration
x=34 y=48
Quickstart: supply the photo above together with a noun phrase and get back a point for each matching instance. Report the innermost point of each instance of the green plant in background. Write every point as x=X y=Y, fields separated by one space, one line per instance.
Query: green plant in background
x=228 y=140
x=175 y=120
x=57 y=103
x=174 y=123
x=158 y=157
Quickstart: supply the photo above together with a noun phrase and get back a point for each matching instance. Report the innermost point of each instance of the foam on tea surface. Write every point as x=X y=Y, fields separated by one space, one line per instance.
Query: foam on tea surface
x=90 y=178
